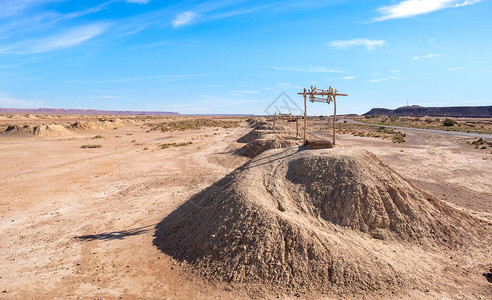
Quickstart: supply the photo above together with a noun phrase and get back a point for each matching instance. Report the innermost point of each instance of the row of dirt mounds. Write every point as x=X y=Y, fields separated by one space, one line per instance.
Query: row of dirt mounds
x=262 y=138
x=323 y=221
x=50 y=130
x=59 y=130
x=100 y=124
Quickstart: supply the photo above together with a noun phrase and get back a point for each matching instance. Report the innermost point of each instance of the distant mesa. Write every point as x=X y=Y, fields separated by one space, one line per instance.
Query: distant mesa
x=420 y=111
x=81 y=111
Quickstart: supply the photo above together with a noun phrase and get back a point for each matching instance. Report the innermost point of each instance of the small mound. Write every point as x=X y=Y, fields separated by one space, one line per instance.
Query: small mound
x=18 y=130
x=253 y=135
x=96 y=125
x=51 y=130
x=266 y=142
x=310 y=220
x=85 y=125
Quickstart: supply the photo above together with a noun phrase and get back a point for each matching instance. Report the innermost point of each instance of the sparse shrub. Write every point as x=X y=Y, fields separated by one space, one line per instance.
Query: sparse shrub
x=479 y=143
x=169 y=145
x=98 y=137
x=398 y=138
x=146 y=148
x=194 y=124
x=129 y=134
x=394 y=118
x=416 y=119
x=428 y=120
x=90 y=146
x=448 y=122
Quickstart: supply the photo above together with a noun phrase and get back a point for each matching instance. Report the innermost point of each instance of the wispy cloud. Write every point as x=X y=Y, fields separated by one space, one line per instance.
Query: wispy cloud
x=137 y=78
x=411 y=8
x=138 y=1
x=185 y=18
x=70 y=38
x=246 y=92
x=348 y=78
x=455 y=69
x=346 y=44
x=384 y=79
x=308 y=69
x=289 y=86
x=9 y=102
x=395 y=71
x=106 y=97
x=426 y=56
x=149 y=45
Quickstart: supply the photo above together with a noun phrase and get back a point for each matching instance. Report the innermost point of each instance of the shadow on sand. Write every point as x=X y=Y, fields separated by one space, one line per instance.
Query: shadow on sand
x=115 y=235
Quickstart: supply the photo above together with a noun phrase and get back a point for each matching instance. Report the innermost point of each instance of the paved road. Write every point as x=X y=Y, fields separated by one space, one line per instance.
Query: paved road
x=455 y=133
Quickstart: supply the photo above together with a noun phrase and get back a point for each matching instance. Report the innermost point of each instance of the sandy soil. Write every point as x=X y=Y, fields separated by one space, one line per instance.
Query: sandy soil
x=79 y=223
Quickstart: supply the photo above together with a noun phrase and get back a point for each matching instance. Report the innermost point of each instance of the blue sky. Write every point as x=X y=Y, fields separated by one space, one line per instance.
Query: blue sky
x=237 y=56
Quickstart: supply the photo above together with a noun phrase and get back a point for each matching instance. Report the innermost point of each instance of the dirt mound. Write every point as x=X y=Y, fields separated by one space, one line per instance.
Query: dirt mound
x=85 y=125
x=51 y=130
x=40 y=130
x=312 y=220
x=100 y=124
x=266 y=142
x=253 y=135
x=18 y=130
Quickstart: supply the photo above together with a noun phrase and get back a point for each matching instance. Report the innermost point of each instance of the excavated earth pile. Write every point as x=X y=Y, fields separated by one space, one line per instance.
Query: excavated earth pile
x=261 y=138
x=50 y=130
x=312 y=220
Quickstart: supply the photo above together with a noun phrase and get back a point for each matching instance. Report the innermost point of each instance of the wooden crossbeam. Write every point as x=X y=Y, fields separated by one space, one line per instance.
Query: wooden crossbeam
x=330 y=94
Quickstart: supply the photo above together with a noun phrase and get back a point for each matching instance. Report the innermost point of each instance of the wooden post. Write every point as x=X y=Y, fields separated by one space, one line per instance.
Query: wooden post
x=274 y=117
x=334 y=116
x=297 y=128
x=305 y=115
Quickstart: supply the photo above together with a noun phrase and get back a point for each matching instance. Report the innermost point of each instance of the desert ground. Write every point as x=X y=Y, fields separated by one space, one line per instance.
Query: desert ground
x=82 y=222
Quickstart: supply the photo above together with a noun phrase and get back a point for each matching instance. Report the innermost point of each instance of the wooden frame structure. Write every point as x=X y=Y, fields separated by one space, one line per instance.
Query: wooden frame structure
x=288 y=118
x=317 y=95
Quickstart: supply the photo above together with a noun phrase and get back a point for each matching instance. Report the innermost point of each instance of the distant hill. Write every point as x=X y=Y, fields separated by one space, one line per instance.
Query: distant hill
x=81 y=111
x=420 y=111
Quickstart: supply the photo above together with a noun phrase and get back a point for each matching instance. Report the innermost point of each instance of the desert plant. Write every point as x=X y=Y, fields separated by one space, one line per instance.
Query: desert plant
x=394 y=118
x=398 y=138
x=448 y=122
x=90 y=146
x=98 y=137
x=169 y=145
x=428 y=120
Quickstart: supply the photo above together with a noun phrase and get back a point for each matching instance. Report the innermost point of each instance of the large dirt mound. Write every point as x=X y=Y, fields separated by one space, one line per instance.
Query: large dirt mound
x=311 y=220
x=49 y=130
x=262 y=138
x=266 y=142
x=18 y=130
x=97 y=125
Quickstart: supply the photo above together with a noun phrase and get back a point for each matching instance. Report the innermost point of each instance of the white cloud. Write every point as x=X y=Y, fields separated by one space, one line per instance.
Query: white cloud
x=8 y=102
x=250 y=92
x=455 y=69
x=348 y=77
x=395 y=71
x=345 y=44
x=411 y=8
x=289 y=86
x=426 y=56
x=307 y=70
x=70 y=38
x=384 y=79
x=185 y=18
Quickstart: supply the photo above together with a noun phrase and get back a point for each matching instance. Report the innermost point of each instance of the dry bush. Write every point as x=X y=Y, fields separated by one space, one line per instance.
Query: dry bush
x=193 y=125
